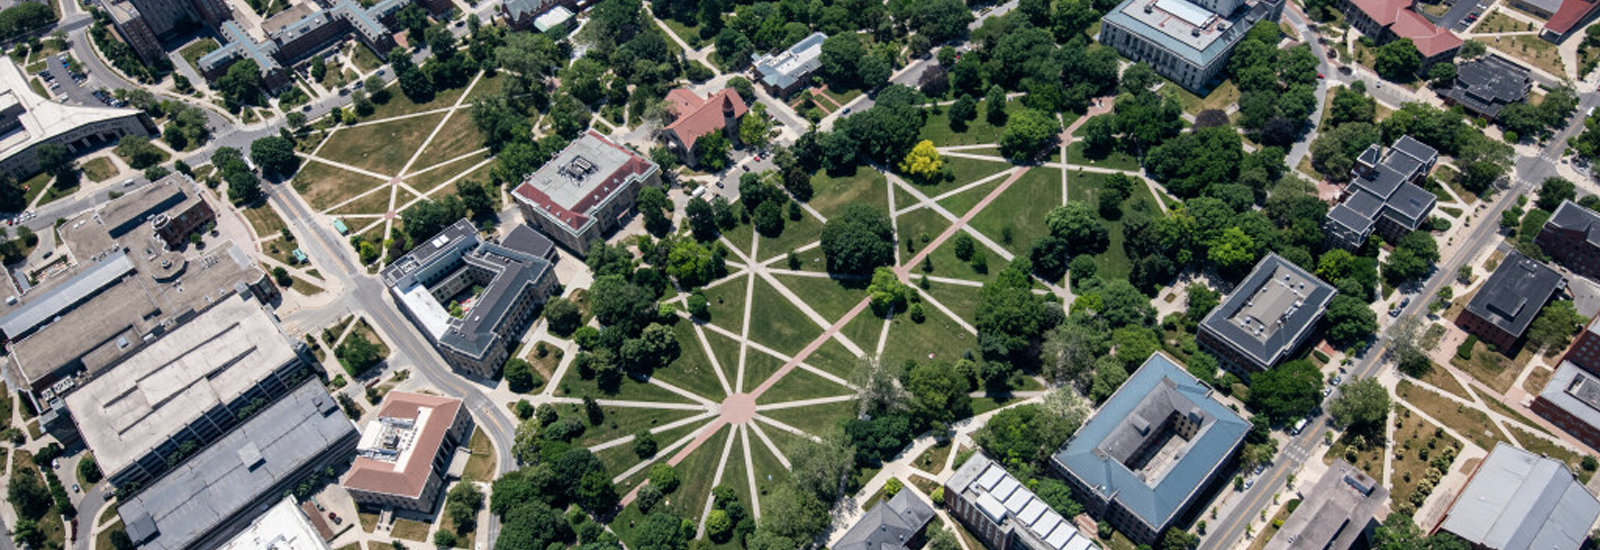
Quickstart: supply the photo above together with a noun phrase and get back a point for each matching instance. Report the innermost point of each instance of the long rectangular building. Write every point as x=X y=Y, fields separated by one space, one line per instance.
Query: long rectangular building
x=1005 y=514
x=1187 y=42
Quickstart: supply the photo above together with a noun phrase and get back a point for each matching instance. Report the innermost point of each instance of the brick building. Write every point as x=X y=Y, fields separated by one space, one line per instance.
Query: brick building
x=1507 y=303
x=1572 y=238
x=405 y=452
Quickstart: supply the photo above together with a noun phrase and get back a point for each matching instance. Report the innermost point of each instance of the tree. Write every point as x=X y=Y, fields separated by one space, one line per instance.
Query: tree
x=821 y=470
x=1413 y=258
x=939 y=393
x=1079 y=225
x=89 y=470
x=241 y=84
x=702 y=219
x=657 y=210
x=842 y=54
x=139 y=152
x=768 y=219
x=963 y=111
x=644 y=444
x=755 y=128
x=718 y=527
x=791 y=514
x=1397 y=60
x=1026 y=435
x=1553 y=190
x=1287 y=391
x=1233 y=252
x=1405 y=337
x=1349 y=320
x=275 y=155
x=563 y=316
x=887 y=292
x=923 y=163
x=1178 y=539
x=520 y=376
x=29 y=495
x=858 y=240
x=1442 y=74
x=1027 y=133
x=358 y=354
x=1361 y=404
x=1554 y=326
x=712 y=151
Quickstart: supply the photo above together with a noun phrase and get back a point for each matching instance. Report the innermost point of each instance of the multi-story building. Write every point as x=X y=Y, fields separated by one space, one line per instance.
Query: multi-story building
x=1570 y=16
x=898 y=523
x=295 y=34
x=1389 y=20
x=1585 y=349
x=1151 y=450
x=695 y=117
x=166 y=18
x=185 y=391
x=1572 y=238
x=1488 y=84
x=405 y=452
x=493 y=291
x=1005 y=514
x=586 y=191
x=1335 y=514
x=521 y=14
x=170 y=209
x=1507 y=303
x=1383 y=195
x=134 y=30
x=1269 y=316
x=1187 y=42
x=1571 y=401
x=790 y=70
x=1517 y=500
x=29 y=120
x=285 y=526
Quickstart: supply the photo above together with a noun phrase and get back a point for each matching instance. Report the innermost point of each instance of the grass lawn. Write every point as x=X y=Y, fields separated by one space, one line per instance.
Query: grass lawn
x=1369 y=458
x=690 y=34
x=428 y=178
x=1534 y=383
x=1496 y=22
x=1532 y=50
x=796 y=233
x=1493 y=369
x=959 y=203
x=977 y=131
x=692 y=370
x=487 y=86
x=1438 y=378
x=1413 y=434
x=936 y=338
x=630 y=389
x=758 y=367
x=726 y=302
x=688 y=501
x=35 y=185
x=1220 y=97
x=102 y=540
x=1085 y=186
x=1538 y=445
x=1270 y=529
x=1116 y=160
x=399 y=104
x=99 y=169
x=781 y=326
x=410 y=530
x=264 y=220
x=800 y=384
x=963 y=171
x=198 y=49
x=735 y=476
x=864 y=186
x=463 y=540
x=922 y=226
x=933 y=459
x=1022 y=210
x=376 y=202
x=726 y=351
x=830 y=298
x=814 y=419
x=324 y=185
x=621 y=422
x=834 y=358
x=961 y=299
x=481 y=465
x=741 y=237
x=458 y=136
x=864 y=330
x=769 y=470
x=384 y=147
x=1472 y=423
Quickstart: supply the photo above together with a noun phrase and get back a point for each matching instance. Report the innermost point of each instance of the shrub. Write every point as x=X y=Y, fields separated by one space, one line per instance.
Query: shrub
x=1464 y=351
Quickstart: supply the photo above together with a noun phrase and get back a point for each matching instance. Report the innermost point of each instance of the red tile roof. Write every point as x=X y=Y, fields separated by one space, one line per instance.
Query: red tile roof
x=1569 y=15
x=1405 y=22
x=408 y=479
x=603 y=187
x=697 y=117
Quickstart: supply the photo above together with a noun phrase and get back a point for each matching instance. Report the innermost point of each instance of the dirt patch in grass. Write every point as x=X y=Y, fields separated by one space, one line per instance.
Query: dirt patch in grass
x=1534 y=383
x=1492 y=368
x=1465 y=420
x=324 y=185
x=410 y=530
x=383 y=147
x=481 y=465
x=99 y=169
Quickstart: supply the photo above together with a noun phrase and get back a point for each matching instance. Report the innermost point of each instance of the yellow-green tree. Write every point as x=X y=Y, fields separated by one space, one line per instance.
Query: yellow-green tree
x=923 y=162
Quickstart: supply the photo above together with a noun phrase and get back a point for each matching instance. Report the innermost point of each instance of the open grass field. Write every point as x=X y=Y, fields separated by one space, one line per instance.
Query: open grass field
x=936 y=338
x=1467 y=421
x=1412 y=434
x=458 y=136
x=802 y=384
x=976 y=131
x=410 y=530
x=480 y=466
x=692 y=370
x=834 y=358
x=399 y=104
x=621 y=422
x=264 y=220
x=198 y=49
x=812 y=419
x=796 y=233
x=1493 y=369
x=428 y=179
x=963 y=171
x=726 y=302
x=99 y=169
x=1086 y=186
x=630 y=389
x=383 y=147
x=922 y=226
x=831 y=298
x=832 y=193
x=688 y=501
x=1438 y=378
x=1021 y=210
x=376 y=202
x=959 y=203
x=324 y=185
x=1116 y=160
x=781 y=326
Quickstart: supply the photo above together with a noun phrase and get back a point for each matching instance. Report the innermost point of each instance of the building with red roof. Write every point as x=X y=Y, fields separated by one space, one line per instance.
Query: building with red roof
x=586 y=191
x=697 y=117
x=1387 y=20
x=404 y=452
x=1570 y=17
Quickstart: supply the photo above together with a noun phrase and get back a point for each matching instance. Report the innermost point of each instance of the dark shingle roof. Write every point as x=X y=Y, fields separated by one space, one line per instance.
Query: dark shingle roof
x=890 y=525
x=1572 y=217
x=1515 y=293
x=1488 y=84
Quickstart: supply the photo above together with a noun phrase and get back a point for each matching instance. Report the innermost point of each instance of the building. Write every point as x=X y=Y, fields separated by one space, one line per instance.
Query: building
x=1383 y=195
x=1571 y=400
x=1544 y=9
x=1152 y=449
x=294 y=35
x=1517 y=500
x=135 y=31
x=1335 y=514
x=1268 y=316
x=1572 y=15
x=586 y=191
x=214 y=495
x=790 y=70
x=186 y=390
x=166 y=18
x=283 y=527
x=1572 y=238
x=1487 y=84
x=1388 y=20
x=405 y=452
x=556 y=18
x=519 y=14
x=493 y=291
x=898 y=523
x=170 y=208
x=1005 y=514
x=1187 y=42
x=29 y=120
x=696 y=117
x=1507 y=303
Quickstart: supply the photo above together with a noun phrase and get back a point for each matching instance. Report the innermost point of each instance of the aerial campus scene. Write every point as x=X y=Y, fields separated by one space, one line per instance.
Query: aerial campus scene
x=799 y=274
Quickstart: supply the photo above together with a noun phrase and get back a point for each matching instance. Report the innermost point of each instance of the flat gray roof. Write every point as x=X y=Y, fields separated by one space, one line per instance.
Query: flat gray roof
x=210 y=497
x=1270 y=311
x=1575 y=391
x=1335 y=512
x=1521 y=501
x=164 y=387
x=1515 y=293
x=38 y=310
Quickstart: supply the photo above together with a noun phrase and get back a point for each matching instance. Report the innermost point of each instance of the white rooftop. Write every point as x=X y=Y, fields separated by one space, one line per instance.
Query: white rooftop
x=42 y=118
x=282 y=527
